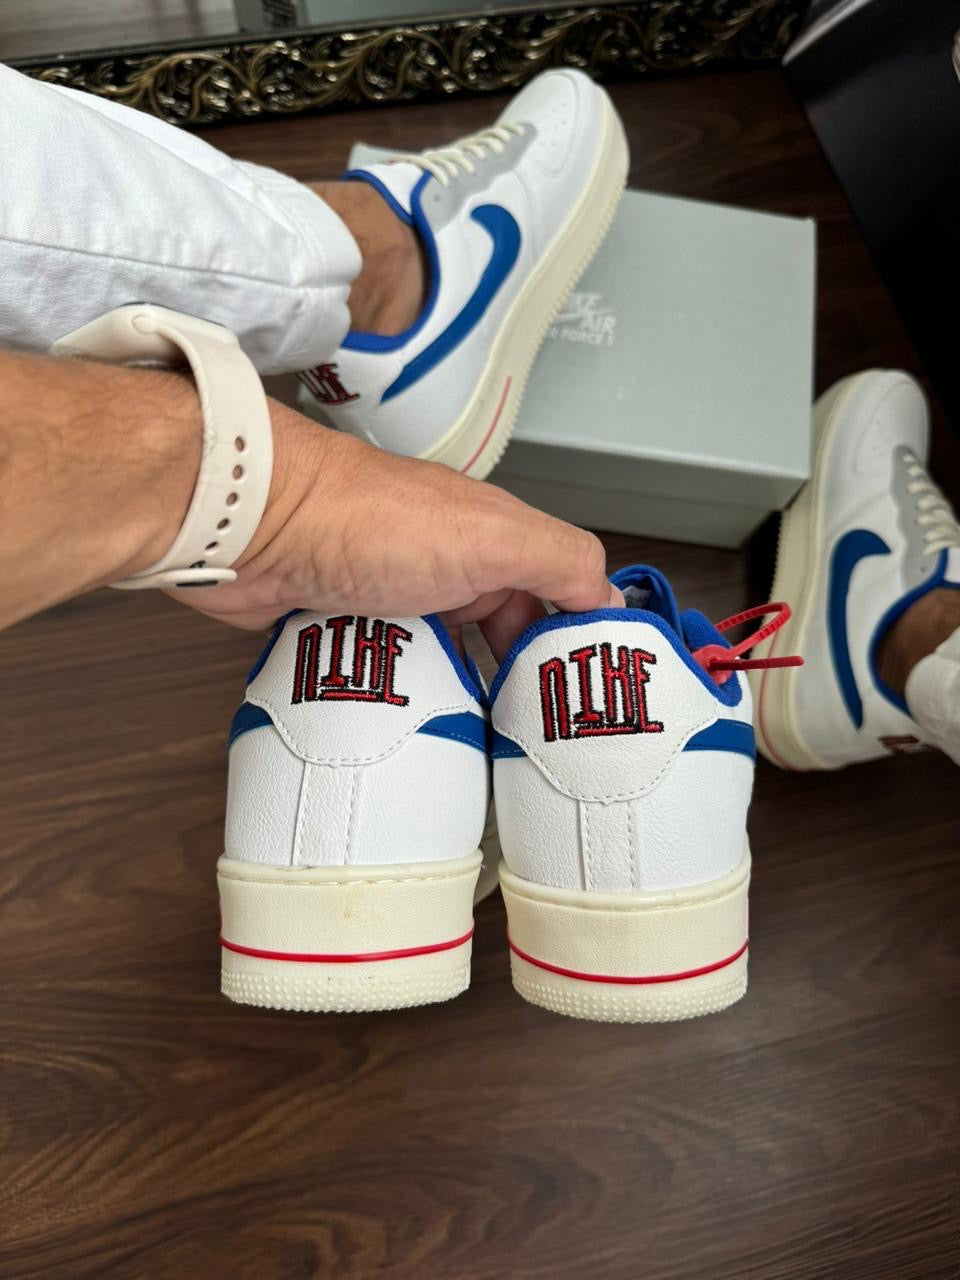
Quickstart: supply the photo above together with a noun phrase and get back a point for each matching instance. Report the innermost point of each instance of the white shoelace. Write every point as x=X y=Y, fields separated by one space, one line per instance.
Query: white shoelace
x=448 y=163
x=935 y=514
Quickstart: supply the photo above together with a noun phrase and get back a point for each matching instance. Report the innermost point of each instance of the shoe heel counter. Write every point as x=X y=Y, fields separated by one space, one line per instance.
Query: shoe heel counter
x=264 y=779
x=688 y=830
x=691 y=829
x=360 y=743
x=427 y=801
x=619 y=767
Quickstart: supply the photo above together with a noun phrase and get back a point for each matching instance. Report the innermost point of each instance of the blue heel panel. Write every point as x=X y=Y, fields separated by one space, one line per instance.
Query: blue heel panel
x=247 y=717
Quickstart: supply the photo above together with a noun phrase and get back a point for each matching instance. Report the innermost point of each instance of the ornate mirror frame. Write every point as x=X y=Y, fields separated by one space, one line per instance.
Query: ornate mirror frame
x=259 y=77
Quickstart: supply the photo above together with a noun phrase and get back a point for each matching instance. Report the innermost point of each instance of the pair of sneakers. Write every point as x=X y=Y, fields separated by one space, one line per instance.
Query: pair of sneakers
x=619 y=743
x=622 y=757
x=620 y=749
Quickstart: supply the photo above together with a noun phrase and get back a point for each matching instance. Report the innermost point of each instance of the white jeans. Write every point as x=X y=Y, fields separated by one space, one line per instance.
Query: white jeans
x=933 y=696
x=104 y=205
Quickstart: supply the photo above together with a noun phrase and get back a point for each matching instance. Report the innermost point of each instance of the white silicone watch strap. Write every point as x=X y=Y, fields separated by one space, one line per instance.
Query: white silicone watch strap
x=236 y=463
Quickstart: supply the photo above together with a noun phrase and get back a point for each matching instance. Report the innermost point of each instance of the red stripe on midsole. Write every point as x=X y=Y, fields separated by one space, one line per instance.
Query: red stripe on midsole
x=304 y=957
x=603 y=977
x=496 y=419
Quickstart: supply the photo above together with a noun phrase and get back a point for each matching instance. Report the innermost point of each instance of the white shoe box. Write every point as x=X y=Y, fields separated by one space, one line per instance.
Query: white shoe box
x=672 y=395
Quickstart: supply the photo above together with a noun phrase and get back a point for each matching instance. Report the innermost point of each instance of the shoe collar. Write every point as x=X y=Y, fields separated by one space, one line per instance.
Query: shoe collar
x=414 y=216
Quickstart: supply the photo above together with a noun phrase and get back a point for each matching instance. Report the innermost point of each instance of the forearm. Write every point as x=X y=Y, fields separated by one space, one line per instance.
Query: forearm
x=98 y=465
x=97 y=468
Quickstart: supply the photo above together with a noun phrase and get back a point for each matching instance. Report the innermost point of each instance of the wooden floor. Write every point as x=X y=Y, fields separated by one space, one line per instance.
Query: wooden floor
x=150 y=1129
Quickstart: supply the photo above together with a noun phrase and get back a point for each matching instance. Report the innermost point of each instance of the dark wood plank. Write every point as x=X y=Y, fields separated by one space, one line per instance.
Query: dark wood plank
x=150 y=1129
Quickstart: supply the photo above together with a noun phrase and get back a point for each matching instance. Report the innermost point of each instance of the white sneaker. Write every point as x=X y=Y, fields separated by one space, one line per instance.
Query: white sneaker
x=359 y=787
x=623 y=764
x=508 y=220
x=869 y=534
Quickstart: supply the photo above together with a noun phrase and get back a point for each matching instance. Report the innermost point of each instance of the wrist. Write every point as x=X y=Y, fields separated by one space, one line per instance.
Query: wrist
x=232 y=483
x=162 y=449
x=97 y=465
x=302 y=452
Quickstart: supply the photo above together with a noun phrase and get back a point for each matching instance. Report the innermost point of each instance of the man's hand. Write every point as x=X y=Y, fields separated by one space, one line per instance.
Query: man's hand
x=97 y=468
x=349 y=528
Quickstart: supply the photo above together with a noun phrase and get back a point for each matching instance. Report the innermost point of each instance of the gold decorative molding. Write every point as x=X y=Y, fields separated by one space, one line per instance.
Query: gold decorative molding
x=491 y=52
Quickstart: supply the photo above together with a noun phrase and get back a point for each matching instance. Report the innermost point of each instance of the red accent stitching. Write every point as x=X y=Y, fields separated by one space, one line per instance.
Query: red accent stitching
x=602 y=977
x=553 y=700
x=325 y=385
x=349 y=695
x=606 y=730
x=303 y=957
x=496 y=419
x=346 y=675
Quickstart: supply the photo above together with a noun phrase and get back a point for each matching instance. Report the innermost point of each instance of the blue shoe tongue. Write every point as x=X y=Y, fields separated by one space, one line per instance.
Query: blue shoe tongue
x=646 y=588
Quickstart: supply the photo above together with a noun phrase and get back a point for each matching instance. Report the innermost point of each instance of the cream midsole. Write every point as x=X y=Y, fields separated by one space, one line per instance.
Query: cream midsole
x=316 y=913
x=652 y=937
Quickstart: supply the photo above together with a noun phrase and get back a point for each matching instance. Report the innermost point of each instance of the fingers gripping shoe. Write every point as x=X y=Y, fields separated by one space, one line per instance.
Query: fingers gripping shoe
x=358 y=791
x=508 y=220
x=868 y=535
x=622 y=771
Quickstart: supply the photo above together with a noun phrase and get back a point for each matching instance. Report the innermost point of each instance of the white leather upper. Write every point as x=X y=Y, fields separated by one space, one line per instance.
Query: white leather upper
x=351 y=732
x=341 y=781
x=621 y=812
x=688 y=831
x=619 y=766
x=409 y=423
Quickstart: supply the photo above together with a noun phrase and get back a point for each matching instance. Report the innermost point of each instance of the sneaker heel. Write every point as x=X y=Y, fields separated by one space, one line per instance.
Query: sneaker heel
x=652 y=957
x=346 y=939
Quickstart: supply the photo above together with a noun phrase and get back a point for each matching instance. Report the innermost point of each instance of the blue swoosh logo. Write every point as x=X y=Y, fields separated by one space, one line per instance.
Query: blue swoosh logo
x=503 y=230
x=847 y=554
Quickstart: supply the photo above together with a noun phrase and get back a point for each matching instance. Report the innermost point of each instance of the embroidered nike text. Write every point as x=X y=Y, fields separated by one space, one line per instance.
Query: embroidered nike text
x=324 y=383
x=357 y=657
x=609 y=693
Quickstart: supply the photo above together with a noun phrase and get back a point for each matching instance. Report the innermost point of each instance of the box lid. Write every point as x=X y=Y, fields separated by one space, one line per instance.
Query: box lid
x=689 y=340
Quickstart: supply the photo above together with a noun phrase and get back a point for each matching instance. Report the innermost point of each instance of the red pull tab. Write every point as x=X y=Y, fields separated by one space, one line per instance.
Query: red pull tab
x=719 y=662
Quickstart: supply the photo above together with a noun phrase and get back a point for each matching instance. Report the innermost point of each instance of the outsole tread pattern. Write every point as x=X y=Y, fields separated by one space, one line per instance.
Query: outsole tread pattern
x=610 y=1006
x=335 y=995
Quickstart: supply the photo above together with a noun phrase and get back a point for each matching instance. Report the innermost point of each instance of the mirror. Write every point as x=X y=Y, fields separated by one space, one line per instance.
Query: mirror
x=31 y=30
x=196 y=61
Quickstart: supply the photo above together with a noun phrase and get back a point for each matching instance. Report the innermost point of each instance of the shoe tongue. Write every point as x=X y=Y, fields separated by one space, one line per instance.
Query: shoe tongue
x=646 y=588
x=398 y=178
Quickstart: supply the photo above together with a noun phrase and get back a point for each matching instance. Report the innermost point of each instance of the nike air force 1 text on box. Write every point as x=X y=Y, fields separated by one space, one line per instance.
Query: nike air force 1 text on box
x=623 y=764
x=359 y=787
x=868 y=535
x=508 y=220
